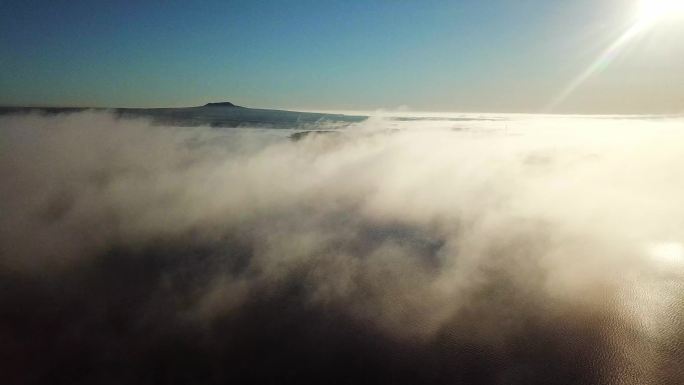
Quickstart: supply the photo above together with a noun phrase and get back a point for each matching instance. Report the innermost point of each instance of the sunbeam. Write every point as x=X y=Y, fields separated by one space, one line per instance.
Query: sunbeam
x=601 y=62
x=649 y=12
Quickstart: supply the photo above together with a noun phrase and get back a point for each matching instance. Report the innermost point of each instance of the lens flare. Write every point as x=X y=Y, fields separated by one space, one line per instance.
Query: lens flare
x=648 y=13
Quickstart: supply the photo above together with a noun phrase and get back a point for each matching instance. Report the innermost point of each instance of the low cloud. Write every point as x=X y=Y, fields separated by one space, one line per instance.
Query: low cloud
x=514 y=250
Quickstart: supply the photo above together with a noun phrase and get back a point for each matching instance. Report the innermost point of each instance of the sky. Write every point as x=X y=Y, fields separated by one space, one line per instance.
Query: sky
x=430 y=55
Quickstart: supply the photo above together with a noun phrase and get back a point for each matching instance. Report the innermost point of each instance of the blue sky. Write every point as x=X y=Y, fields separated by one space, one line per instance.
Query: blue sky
x=471 y=55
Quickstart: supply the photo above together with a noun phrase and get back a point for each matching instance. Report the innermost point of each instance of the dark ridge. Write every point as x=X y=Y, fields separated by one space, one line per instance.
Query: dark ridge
x=220 y=104
x=228 y=116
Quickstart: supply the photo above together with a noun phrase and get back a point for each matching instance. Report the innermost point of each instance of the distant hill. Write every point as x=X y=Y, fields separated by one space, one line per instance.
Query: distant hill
x=220 y=104
x=220 y=114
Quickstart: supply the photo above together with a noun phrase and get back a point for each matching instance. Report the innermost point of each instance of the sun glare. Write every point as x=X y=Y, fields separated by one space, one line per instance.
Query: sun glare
x=651 y=11
x=648 y=14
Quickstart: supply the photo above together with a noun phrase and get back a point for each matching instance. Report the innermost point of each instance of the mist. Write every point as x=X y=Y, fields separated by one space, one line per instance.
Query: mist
x=478 y=249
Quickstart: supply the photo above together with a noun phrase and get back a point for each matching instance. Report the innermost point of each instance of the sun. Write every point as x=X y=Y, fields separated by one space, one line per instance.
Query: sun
x=652 y=11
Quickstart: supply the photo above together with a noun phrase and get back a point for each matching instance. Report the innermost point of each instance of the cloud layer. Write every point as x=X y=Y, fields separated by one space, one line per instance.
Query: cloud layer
x=515 y=250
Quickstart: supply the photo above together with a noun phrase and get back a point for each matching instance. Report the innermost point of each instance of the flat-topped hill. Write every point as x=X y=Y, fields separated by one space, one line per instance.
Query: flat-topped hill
x=210 y=115
x=220 y=104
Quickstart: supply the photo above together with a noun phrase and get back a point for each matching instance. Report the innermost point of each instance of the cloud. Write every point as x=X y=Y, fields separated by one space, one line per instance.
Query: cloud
x=520 y=249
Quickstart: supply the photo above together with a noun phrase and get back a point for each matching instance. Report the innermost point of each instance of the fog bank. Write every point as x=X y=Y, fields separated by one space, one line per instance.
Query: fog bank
x=484 y=250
